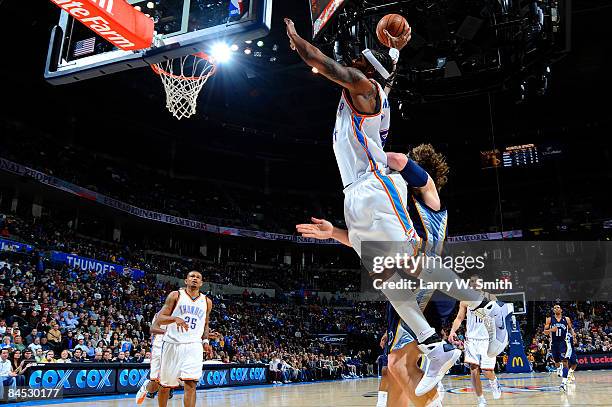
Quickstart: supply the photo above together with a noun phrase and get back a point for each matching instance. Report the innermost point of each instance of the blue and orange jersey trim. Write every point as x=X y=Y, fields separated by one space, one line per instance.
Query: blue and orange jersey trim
x=386 y=182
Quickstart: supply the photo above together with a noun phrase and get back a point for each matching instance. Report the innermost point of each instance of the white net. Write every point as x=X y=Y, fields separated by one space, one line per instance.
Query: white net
x=183 y=79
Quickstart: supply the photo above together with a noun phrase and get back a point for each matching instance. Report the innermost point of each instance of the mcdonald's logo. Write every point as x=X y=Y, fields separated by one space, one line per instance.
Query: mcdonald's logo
x=517 y=361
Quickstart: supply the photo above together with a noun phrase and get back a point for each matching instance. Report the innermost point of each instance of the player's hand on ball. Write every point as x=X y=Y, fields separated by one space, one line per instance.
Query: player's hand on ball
x=181 y=324
x=401 y=41
x=318 y=229
x=290 y=32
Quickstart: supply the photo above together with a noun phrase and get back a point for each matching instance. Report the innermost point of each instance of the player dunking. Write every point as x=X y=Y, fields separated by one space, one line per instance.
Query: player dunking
x=400 y=378
x=374 y=201
x=475 y=348
x=559 y=326
x=186 y=313
x=150 y=386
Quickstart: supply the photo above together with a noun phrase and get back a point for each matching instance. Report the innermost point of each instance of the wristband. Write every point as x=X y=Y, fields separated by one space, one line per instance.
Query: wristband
x=205 y=342
x=394 y=54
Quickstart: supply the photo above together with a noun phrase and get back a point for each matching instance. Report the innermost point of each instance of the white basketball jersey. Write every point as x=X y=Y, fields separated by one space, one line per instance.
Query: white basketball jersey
x=475 y=329
x=359 y=138
x=193 y=312
x=157 y=339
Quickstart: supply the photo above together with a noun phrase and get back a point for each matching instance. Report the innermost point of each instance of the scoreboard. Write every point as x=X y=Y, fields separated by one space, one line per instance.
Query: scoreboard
x=521 y=156
x=524 y=155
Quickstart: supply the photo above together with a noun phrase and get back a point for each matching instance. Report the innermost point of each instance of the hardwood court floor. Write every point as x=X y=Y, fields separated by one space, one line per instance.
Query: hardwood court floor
x=592 y=388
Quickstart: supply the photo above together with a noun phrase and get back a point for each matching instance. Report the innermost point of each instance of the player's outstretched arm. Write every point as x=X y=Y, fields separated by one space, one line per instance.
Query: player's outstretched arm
x=452 y=336
x=322 y=229
x=398 y=43
x=416 y=177
x=350 y=78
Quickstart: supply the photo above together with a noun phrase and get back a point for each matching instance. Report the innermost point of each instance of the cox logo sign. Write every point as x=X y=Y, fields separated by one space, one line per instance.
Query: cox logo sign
x=82 y=379
x=133 y=377
x=247 y=374
x=214 y=378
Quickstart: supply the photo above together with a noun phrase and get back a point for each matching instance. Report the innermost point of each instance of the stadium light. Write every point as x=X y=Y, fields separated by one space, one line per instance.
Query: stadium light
x=221 y=52
x=247 y=51
x=260 y=44
x=234 y=47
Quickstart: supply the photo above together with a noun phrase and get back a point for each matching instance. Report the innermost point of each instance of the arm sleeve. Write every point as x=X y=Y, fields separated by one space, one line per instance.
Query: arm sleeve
x=414 y=174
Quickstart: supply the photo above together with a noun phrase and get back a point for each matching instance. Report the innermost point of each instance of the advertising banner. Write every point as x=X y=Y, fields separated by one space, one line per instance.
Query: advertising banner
x=12 y=246
x=100 y=267
x=79 y=379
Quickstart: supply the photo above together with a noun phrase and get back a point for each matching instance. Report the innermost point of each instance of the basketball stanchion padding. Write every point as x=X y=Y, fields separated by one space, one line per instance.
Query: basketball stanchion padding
x=183 y=79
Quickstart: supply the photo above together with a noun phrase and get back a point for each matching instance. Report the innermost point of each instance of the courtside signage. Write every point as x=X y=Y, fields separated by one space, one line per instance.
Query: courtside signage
x=114 y=20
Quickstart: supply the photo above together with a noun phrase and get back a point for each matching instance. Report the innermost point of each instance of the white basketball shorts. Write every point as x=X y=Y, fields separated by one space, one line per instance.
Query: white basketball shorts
x=375 y=211
x=476 y=353
x=180 y=362
x=155 y=362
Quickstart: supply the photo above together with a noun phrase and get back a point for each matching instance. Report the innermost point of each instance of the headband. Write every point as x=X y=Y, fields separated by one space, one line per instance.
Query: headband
x=375 y=63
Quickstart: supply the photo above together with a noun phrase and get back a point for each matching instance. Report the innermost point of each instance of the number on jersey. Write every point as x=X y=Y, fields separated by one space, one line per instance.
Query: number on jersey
x=192 y=322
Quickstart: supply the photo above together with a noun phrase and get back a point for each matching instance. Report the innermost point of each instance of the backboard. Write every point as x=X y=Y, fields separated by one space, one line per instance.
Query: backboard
x=182 y=27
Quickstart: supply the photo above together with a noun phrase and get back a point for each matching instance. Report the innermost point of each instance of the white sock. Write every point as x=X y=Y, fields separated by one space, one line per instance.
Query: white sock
x=493 y=382
x=438 y=273
x=565 y=380
x=482 y=398
x=570 y=371
x=404 y=302
x=382 y=399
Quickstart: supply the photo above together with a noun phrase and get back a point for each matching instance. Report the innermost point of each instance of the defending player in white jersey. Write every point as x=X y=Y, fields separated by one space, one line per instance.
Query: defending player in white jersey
x=186 y=313
x=151 y=386
x=475 y=348
x=374 y=208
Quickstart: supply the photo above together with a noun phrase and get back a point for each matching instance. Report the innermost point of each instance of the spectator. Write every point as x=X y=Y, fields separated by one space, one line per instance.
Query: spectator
x=7 y=375
x=107 y=357
x=32 y=336
x=121 y=358
x=64 y=357
x=54 y=337
x=6 y=343
x=77 y=356
x=98 y=358
x=81 y=346
x=27 y=361
x=44 y=344
x=18 y=343
x=40 y=356
x=35 y=346
x=49 y=357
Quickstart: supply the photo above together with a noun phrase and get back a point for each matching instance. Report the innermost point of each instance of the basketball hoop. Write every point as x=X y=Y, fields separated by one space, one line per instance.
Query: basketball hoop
x=183 y=79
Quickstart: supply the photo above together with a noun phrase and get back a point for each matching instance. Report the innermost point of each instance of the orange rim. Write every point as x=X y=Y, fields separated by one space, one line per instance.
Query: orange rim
x=158 y=70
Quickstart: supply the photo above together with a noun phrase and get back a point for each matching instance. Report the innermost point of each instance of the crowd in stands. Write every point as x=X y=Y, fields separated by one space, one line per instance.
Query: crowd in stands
x=49 y=234
x=65 y=315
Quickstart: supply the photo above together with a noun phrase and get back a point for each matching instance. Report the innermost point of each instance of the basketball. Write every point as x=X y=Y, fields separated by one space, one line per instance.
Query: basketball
x=395 y=24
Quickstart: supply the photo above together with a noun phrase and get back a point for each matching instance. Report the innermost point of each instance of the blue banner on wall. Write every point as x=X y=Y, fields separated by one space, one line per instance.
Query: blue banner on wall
x=100 y=267
x=109 y=378
x=517 y=360
x=12 y=246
